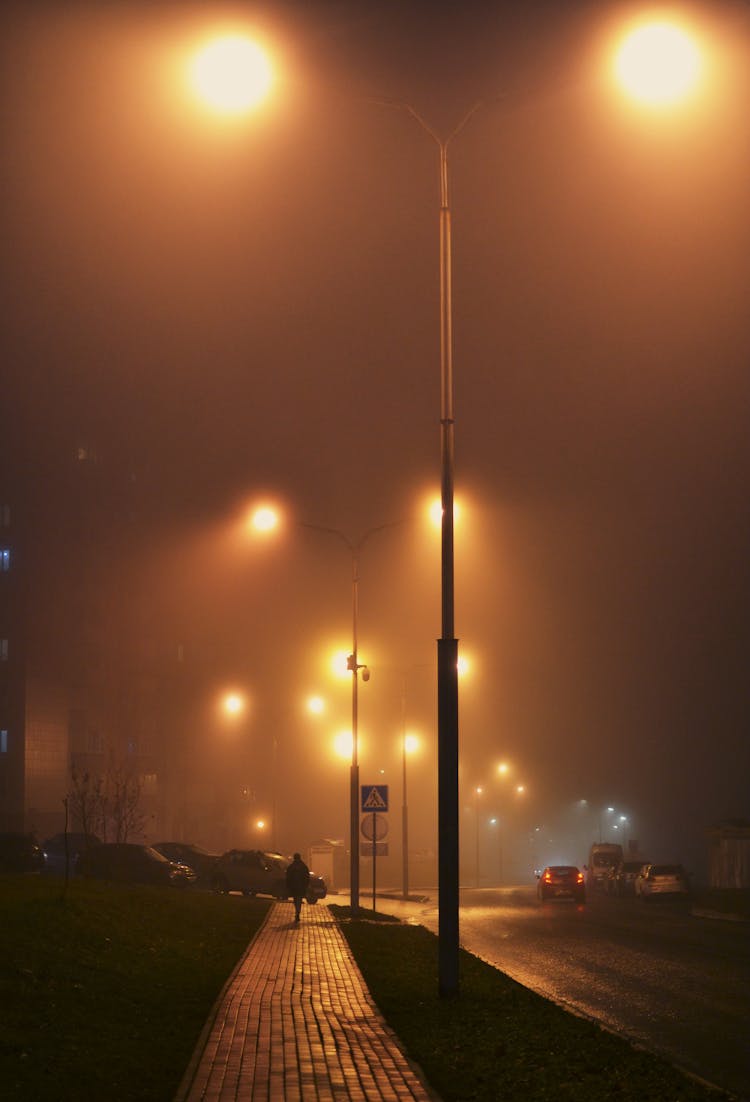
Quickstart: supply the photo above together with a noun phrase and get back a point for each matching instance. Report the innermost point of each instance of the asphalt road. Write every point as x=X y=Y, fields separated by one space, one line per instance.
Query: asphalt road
x=677 y=984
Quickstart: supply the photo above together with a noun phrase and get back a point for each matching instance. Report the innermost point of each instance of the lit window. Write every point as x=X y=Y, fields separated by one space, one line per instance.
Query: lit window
x=4 y=558
x=3 y=741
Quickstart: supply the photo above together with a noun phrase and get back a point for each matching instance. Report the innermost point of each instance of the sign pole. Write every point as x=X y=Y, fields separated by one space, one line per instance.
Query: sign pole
x=374 y=858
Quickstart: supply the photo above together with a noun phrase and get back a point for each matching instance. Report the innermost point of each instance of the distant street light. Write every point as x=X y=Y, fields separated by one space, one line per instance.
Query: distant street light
x=233 y=704
x=354 y=666
x=409 y=745
x=316 y=705
x=477 y=793
x=609 y=811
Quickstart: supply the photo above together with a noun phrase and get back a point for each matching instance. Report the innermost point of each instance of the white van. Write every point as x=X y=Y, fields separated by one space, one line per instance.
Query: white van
x=604 y=857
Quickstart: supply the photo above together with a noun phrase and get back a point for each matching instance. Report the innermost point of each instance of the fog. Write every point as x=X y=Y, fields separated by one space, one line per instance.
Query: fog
x=227 y=312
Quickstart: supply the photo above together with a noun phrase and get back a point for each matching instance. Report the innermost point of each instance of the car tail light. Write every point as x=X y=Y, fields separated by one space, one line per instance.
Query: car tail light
x=548 y=877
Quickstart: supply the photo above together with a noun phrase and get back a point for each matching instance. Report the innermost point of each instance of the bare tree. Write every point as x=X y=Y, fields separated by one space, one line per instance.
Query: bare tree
x=108 y=804
x=87 y=802
x=123 y=801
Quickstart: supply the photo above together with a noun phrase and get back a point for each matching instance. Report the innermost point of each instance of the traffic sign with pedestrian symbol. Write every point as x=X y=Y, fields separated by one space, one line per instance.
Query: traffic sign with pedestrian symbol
x=374 y=797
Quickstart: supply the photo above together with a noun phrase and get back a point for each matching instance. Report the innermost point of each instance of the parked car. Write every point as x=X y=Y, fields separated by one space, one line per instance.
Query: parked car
x=561 y=882
x=663 y=880
x=187 y=853
x=20 y=852
x=623 y=878
x=254 y=872
x=58 y=852
x=130 y=863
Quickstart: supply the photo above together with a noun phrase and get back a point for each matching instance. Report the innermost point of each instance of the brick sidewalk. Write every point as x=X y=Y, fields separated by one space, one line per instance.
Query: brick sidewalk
x=296 y=1023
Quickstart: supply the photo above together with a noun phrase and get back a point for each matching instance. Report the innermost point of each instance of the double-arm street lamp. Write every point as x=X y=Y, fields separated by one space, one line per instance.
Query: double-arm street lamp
x=354 y=665
x=447 y=648
x=671 y=55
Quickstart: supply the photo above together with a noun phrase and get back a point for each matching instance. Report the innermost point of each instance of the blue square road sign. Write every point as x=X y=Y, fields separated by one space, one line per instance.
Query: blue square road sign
x=374 y=797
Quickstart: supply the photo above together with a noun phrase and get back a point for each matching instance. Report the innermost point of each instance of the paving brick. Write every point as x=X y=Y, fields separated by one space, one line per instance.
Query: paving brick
x=296 y=1023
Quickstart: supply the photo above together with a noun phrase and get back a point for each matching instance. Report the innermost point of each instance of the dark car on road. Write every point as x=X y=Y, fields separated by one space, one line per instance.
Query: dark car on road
x=130 y=863
x=255 y=872
x=561 y=882
x=61 y=851
x=20 y=852
x=200 y=860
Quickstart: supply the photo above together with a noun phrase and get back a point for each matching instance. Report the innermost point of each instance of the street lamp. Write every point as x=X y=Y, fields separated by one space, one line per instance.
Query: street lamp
x=409 y=744
x=447 y=648
x=658 y=64
x=231 y=74
x=477 y=793
x=354 y=666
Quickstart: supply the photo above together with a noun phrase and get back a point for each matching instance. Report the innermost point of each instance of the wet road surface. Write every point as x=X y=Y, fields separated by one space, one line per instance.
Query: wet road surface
x=677 y=984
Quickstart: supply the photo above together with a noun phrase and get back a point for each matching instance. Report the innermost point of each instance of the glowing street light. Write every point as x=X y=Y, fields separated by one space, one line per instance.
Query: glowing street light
x=316 y=705
x=658 y=64
x=340 y=664
x=478 y=791
x=436 y=513
x=231 y=74
x=233 y=704
x=263 y=519
x=343 y=744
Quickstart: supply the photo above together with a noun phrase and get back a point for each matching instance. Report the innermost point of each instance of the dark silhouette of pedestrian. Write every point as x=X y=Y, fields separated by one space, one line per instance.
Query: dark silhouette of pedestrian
x=297 y=880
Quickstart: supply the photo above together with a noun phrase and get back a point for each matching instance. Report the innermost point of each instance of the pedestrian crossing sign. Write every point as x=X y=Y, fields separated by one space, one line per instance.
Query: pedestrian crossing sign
x=374 y=797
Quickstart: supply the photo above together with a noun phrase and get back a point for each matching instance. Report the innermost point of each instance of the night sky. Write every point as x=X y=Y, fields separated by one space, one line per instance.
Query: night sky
x=232 y=310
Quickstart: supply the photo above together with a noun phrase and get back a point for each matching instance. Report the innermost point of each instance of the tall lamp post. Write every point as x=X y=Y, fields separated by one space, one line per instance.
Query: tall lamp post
x=353 y=664
x=447 y=648
x=408 y=744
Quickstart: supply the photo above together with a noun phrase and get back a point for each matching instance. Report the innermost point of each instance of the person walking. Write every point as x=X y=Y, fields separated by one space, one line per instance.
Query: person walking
x=297 y=880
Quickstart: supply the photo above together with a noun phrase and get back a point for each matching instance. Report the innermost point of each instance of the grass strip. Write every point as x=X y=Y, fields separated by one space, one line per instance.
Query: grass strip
x=104 y=992
x=498 y=1040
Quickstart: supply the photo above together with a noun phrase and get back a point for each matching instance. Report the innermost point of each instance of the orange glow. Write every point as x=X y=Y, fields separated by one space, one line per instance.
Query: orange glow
x=435 y=511
x=343 y=744
x=339 y=664
x=316 y=705
x=658 y=64
x=264 y=518
x=233 y=703
x=231 y=74
x=411 y=743
x=503 y=768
